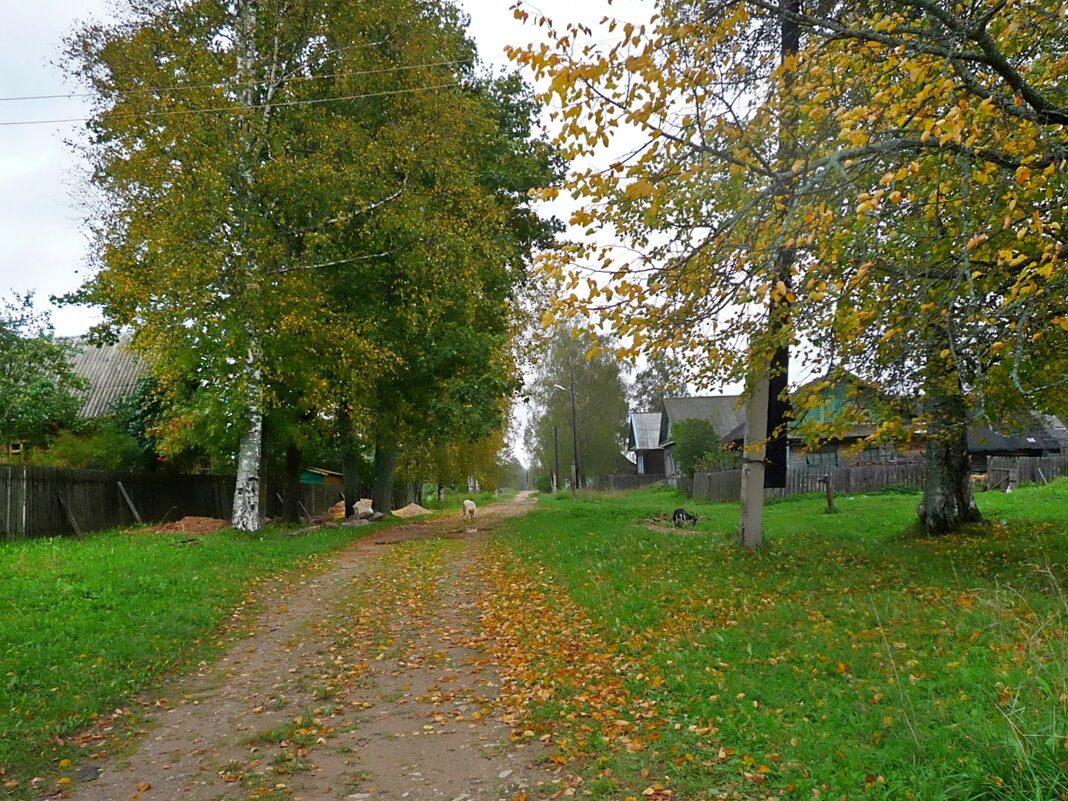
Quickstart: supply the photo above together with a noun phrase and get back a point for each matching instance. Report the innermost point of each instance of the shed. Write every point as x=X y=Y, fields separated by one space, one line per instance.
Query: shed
x=319 y=475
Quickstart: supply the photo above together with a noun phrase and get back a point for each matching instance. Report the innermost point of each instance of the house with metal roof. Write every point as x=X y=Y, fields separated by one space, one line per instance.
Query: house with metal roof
x=843 y=445
x=723 y=412
x=1028 y=435
x=113 y=372
x=643 y=441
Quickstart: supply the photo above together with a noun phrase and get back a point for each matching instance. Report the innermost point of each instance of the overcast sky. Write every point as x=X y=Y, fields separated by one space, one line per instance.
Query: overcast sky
x=44 y=244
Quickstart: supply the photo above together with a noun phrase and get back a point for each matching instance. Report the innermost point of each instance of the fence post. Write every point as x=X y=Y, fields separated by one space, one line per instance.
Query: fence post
x=70 y=515
x=25 y=499
x=826 y=481
x=129 y=502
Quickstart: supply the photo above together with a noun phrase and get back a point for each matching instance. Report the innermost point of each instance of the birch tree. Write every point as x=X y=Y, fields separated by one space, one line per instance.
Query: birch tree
x=258 y=164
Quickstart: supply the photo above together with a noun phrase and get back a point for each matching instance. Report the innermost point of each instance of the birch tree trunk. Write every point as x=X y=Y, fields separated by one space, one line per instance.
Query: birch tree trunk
x=246 y=511
x=751 y=529
x=246 y=516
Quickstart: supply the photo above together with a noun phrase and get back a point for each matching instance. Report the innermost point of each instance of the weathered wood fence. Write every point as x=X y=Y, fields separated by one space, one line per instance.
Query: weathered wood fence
x=628 y=481
x=726 y=487
x=36 y=501
x=1003 y=470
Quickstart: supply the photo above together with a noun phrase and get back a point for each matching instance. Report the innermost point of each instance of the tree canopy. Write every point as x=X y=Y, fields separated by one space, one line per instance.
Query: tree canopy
x=308 y=208
x=577 y=363
x=39 y=391
x=909 y=159
x=663 y=376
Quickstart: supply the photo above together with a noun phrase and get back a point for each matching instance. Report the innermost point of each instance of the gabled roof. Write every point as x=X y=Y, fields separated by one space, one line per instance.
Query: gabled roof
x=722 y=411
x=111 y=370
x=1056 y=429
x=856 y=431
x=644 y=431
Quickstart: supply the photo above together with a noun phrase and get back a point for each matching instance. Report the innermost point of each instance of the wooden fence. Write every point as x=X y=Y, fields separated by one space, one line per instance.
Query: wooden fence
x=1001 y=470
x=628 y=481
x=726 y=487
x=37 y=501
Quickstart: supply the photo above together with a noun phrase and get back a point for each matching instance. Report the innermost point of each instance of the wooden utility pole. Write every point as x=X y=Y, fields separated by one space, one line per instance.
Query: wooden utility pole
x=556 y=458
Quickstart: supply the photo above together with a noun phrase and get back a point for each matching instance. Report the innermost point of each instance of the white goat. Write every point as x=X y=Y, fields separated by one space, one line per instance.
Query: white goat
x=469 y=510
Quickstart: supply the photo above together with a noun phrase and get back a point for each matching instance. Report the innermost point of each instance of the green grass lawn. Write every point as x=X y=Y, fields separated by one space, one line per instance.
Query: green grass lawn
x=850 y=658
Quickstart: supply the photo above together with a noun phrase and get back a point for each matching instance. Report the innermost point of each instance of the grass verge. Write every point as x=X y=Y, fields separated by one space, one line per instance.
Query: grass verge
x=850 y=658
x=88 y=623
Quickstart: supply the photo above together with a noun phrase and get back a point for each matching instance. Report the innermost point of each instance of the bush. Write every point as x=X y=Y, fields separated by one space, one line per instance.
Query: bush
x=106 y=448
x=719 y=459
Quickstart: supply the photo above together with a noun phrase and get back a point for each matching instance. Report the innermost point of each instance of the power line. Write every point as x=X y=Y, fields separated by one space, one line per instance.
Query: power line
x=227 y=85
x=235 y=108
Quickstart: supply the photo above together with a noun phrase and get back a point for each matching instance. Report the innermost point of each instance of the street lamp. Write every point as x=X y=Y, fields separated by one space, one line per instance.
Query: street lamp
x=574 y=433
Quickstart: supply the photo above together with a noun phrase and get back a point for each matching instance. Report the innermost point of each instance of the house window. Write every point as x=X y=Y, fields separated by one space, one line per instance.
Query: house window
x=879 y=454
x=824 y=457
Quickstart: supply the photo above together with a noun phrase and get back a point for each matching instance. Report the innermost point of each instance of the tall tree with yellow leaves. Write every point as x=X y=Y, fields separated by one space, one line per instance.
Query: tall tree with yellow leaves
x=926 y=196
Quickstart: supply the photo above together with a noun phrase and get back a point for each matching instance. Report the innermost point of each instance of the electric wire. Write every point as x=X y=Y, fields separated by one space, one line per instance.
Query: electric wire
x=232 y=85
x=234 y=108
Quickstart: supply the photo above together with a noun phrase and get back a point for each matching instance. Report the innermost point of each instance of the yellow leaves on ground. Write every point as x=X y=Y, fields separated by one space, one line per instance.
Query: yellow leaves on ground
x=549 y=652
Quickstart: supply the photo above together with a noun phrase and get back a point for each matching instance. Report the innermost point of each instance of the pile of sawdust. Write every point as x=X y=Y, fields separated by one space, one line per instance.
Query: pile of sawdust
x=192 y=525
x=411 y=510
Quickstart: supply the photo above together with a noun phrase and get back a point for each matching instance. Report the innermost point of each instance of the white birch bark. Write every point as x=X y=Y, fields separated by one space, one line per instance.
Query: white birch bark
x=246 y=514
x=246 y=507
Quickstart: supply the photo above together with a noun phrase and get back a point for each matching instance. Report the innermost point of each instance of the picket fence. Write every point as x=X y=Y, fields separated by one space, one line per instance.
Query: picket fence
x=40 y=501
x=726 y=487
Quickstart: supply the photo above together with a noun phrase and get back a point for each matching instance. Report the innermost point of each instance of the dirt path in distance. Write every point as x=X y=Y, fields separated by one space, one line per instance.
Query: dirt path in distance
x=363 y=682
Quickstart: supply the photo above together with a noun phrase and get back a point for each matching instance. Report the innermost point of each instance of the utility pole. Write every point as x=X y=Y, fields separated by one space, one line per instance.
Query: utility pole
x=574 y=434
x=556 y=457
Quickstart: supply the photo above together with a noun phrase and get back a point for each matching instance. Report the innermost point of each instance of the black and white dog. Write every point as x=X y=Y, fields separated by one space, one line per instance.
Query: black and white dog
x=682 y=517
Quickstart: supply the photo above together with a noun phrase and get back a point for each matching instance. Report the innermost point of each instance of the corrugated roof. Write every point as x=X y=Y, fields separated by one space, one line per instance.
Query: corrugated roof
x=856 y=431
x=719 y=410
x=644 y=431
x=111 y=370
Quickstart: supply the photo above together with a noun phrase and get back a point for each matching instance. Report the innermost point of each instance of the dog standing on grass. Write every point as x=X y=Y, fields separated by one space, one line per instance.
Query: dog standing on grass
x=469 y=510
x=682 y=517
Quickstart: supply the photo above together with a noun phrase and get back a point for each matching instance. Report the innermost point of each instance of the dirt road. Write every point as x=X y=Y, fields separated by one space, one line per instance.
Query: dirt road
x=363 y=682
